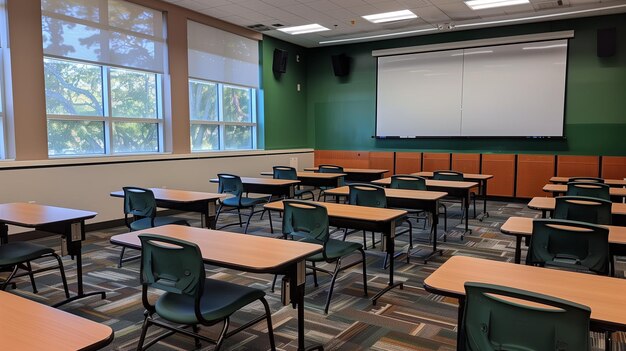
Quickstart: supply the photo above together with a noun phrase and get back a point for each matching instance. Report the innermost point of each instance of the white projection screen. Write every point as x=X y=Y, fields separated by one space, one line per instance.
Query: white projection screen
x=513 y=90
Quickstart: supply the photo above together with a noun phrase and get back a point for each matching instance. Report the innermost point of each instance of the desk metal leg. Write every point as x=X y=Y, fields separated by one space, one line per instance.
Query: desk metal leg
x=434 y=223
x=518 y=249
x=299 y=279
x=389 y=247
x=208 y=218
x=77 y=233
x=466 y=201
x=460 y=334
x=483 y=193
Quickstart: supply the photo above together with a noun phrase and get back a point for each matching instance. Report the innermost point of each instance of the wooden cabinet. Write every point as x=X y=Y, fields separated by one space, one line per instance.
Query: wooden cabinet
x=408 y=162
x=435 y=161
x=502 y=167
x=577 y=166
x=614 y=167
x=533 y=172
x=381 y=160
x=466 y=163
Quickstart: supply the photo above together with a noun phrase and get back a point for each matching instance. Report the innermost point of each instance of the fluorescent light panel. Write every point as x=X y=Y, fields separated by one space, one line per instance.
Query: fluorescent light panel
x=487 y=4
x=308 y=28
x=390 y=16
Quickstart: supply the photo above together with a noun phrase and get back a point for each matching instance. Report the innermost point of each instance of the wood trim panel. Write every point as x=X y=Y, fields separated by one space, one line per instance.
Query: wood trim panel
x=614 y=167
x=533 y=172
x=435 y=161
x=577 y=166
x=502 y=167
x=382 y=160
x=466 y=163
x=346 y=159
x=408 y=162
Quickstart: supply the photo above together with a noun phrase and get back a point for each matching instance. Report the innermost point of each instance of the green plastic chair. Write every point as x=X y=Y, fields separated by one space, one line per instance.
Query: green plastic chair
x=231 y=184
x=492 y=323
x=290 y=173
x=583 y=209
x=141 y=206
x=308 y=222
x=597 y=190
x=175 y=266
x=373 y=196
x=410 y=182
x=329 y=169
x=19 y=254
x=570 y=245
x=455 y=177
x=586 y=179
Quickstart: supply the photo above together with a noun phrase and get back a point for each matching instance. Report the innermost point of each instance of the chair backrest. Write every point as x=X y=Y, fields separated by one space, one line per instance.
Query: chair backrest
x=172 y=265
x=586 y=179
x=332 y=169
x=583 y=209
x=306 y=220
x=367 y=195
x=448 y=175
x=597 y=190
x=284 y=172
x=139 y=202
x=230 y=184
x=492 y=322
x=409 y=182
x=571 y=245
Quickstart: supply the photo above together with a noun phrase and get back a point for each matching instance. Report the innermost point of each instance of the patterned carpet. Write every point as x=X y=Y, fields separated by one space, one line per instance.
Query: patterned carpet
x=409 y=319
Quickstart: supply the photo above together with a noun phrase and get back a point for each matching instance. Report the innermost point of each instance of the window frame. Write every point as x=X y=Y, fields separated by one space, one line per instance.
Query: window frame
x=107 y=118
x=220 y=123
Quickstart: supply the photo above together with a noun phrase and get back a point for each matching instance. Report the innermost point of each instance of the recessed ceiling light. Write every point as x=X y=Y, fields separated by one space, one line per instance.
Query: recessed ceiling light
x=308 y=28
x=390 y=16
x=487 y=4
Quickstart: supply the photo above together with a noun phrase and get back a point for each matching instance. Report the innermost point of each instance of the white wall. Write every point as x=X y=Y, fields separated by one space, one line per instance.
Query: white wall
x=87 y=186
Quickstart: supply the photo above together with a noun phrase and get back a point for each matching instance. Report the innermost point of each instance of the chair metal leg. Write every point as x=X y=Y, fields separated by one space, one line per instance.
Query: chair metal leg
x=332 y=285
x=63 y=278
x=119 y=264
x=249 y=218
x=314 y=275
x=270 y=328
x=364 y=272
x=240 y=221
x=364 y=240
x=373 y=241
x=6 y=282
x=196 y=330
x=269 y=215
x=220 y=339
x=217 y=214
x=32 y=278
x=274 y=282
x=144 y=330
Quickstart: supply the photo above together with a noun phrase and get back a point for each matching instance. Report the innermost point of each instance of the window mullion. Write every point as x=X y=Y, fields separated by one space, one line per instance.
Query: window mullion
x=108 y=125
x=220 y=115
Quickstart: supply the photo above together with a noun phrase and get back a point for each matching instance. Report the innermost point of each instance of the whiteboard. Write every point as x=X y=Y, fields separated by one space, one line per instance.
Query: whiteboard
x=515 y=90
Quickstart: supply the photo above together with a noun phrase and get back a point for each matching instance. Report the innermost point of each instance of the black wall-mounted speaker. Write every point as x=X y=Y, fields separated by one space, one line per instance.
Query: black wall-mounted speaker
x=341 y=65
x=607 y=42
x=280 y=61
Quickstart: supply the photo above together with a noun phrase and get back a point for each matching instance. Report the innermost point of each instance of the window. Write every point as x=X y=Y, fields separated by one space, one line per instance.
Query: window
x=3 y=39
x=103 y=74
x=224 y=77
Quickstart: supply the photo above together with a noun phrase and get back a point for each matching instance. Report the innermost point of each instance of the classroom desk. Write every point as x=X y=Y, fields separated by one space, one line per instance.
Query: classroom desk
x=243 y=252
x=278 y=187
x=330 y=180
x=68 y=223
x=610 y=182
x=523 y=227
x=409 y=199
x=362 y=218
x=358 y=174
x=31 y=326
x=560 y=189
x=189 y=201
x=604 y=295
x=547 y=204
x=471 y=177
x=455 y=189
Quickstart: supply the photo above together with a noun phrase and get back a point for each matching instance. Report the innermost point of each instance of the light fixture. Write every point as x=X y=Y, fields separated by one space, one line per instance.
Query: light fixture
x=376 y=36
x=487 y=4
x=308 y=28
x=390 y=16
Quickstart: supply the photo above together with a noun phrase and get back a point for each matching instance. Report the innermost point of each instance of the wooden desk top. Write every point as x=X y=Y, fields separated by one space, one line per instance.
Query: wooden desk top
x=263 y=181
x=614 y=182
x=178 y=195
x=355 y=170
x=562 y=188
x=396 y=193
x=238 y=251
x=524 y=226
x=604 y=295
x=360 y=213
x=33 y=215
x=467 y=176
x=30 y=326
x=311 y=175
x=434 y=183
x=549 y=203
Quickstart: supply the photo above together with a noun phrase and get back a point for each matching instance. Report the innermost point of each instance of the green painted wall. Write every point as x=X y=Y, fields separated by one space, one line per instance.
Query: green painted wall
x=341 y=111
x=284 y=124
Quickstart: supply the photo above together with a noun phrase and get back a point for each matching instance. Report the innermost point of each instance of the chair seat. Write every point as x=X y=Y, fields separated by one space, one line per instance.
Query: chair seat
x=146 y=223
x=245 y=201
x=21 y=251
x=336 y=249
x=219 y=300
